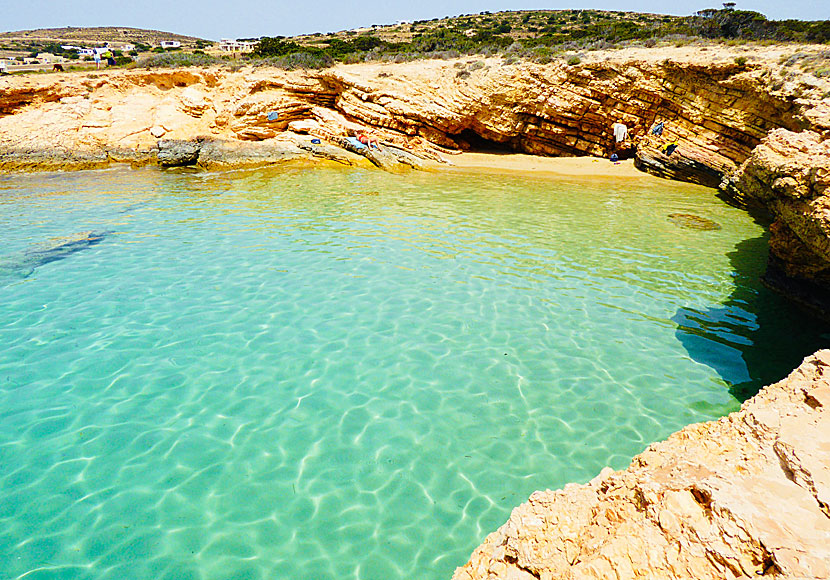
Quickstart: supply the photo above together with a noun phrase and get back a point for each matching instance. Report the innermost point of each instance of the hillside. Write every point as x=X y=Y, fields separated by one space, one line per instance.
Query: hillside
x=539 y=35
x=548 y=27
x=92 y=36
x=516 y=25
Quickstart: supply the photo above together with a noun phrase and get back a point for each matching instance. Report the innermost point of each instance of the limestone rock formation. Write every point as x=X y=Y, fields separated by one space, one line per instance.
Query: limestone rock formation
x=745 y=496
x=789 y=174
x=717 y=110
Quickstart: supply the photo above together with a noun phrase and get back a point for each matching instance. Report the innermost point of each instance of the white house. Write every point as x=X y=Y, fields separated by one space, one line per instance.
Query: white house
x=49 y=58
x=128 y=47
x=86 y=51
x=170 y=44
x=228 y=45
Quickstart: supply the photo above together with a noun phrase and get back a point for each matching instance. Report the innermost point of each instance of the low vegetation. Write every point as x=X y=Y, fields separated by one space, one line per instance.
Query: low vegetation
x=539 y=35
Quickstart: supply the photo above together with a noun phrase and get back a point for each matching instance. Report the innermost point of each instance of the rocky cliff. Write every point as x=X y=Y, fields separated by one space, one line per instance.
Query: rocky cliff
x=717 y=110
x=789 y=174
x=745 y=496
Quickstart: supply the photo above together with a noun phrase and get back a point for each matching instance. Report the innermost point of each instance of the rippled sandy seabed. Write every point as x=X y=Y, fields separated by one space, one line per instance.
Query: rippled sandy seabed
x=347 y=374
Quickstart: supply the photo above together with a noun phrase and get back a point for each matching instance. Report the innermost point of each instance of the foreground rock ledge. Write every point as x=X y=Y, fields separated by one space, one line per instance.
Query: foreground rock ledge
x=745 y=496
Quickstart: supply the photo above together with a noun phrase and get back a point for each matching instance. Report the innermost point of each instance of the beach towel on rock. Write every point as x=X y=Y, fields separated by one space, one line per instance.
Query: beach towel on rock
x=355 y=143
x=620 y=132
x=658 y=129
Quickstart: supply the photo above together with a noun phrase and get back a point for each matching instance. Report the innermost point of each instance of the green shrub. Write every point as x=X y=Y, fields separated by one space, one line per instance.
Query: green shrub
x=740 y=60
x=573 y=60
x=268 y=46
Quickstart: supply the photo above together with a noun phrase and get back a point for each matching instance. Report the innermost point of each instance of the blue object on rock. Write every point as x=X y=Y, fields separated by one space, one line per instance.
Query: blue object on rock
x=315 y=141
x=614 y=157
x=273 y=116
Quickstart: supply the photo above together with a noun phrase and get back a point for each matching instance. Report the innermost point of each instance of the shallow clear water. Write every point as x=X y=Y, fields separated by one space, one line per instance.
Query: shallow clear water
x=348 y=374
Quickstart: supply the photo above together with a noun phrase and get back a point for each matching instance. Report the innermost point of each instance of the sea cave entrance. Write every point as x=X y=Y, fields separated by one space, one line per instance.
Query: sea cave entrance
x=469 y=140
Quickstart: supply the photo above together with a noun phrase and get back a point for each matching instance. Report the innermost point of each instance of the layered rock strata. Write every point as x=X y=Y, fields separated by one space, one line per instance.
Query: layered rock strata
x=789 y=174
x=716 y=109
x=745 y=496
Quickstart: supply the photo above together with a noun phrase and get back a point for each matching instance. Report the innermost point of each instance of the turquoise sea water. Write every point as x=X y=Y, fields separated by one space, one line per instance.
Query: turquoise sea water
x=348 y=374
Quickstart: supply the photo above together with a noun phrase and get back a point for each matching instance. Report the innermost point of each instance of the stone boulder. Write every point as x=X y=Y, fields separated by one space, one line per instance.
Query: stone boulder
x=176 y=153
x=219 y=153
x=686 y=163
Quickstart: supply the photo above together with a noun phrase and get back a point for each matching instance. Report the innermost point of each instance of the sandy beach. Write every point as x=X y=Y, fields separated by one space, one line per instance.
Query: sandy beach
x=520 y=163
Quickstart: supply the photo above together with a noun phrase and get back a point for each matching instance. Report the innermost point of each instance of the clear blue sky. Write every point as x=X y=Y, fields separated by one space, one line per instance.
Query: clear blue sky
x=215 y=19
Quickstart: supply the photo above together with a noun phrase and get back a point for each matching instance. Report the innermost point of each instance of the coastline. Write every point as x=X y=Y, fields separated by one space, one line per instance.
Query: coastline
x=758 y=132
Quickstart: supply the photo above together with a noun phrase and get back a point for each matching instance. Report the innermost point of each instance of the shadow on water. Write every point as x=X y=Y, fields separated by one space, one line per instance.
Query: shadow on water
x=757 y=336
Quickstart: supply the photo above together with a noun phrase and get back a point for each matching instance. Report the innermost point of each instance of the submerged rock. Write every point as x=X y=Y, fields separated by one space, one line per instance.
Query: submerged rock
x=745 y=496
x=693 y=222
x=23 y=265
